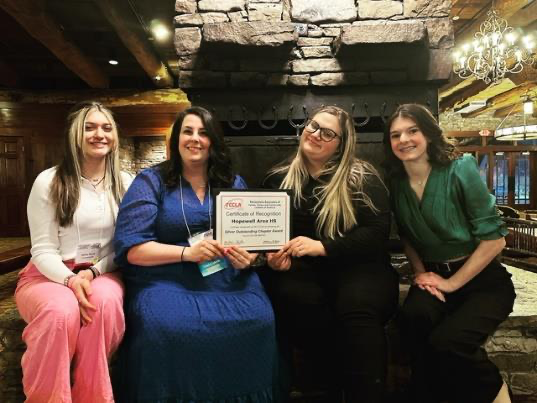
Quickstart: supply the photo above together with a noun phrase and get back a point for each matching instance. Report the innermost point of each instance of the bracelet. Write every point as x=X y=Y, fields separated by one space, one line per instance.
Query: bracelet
x=66 y=279
x=95 y=272
x=183 y=252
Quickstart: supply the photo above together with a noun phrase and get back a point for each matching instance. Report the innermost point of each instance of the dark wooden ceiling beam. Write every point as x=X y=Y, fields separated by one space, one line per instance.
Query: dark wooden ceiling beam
x=527 y=76
x=8 y=76
x=31 y=15
x=122 y=19
x=459 y=96
x=507 y=110
x=505 y=99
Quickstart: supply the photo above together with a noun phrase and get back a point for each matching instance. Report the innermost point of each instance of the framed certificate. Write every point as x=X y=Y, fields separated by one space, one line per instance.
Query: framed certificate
x=256 y=220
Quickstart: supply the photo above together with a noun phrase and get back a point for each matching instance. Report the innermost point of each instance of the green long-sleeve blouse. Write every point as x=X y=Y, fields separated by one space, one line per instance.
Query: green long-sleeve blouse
x=456 y=211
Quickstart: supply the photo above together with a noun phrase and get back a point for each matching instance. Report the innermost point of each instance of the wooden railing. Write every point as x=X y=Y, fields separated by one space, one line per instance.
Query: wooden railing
x=522 y=237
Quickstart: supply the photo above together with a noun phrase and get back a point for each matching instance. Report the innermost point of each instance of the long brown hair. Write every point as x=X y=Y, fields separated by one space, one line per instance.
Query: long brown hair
x=220 y=171
x=65 y=187
x=440 y=149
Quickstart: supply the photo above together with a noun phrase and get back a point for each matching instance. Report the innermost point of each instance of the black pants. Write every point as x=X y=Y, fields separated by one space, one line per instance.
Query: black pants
x=446 y=340
x=338 y=311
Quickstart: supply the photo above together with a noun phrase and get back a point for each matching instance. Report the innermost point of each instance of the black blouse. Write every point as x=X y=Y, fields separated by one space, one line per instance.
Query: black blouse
x=367 y=240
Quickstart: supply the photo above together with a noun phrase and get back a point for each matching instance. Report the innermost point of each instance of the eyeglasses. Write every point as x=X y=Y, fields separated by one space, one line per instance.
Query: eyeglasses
x=326 y=135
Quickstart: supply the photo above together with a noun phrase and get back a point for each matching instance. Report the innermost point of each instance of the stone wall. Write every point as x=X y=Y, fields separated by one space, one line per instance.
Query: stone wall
x=311 y=43
x=149 y=151
x=137 y=153
x=127 y=154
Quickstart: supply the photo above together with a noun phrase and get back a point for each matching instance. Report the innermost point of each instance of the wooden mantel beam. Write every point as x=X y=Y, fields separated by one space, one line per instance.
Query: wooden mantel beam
x=31 y=15
x=122 y=19
x=8 y=76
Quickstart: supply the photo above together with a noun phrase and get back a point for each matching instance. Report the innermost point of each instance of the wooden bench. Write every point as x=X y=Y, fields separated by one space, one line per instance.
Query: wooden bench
x=11 y=325
x=14 y=259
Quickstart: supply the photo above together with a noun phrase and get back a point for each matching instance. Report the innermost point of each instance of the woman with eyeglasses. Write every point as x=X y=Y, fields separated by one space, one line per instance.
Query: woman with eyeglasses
x=451 y=233
x=332 y=285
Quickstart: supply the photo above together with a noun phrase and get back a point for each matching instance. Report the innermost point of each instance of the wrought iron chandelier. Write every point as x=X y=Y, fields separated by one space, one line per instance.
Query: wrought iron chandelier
x=497 y=49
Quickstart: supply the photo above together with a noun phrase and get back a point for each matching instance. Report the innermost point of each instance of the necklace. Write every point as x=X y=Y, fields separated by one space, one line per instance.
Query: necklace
x=94 y=182
x=421 y=182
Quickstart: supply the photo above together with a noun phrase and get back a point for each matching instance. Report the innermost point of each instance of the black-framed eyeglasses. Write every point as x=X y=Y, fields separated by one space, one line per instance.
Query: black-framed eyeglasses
x=326 y=134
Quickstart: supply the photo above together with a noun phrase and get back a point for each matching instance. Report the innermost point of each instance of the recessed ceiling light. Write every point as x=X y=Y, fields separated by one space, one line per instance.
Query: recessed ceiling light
x=113 y=62
x=161 y=32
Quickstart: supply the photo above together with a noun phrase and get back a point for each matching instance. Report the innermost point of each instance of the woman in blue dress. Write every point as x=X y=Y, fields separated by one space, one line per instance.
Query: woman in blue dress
x=190 y=336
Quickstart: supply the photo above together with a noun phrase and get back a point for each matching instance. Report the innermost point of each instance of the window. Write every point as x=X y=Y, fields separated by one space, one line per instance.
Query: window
x=500 y=177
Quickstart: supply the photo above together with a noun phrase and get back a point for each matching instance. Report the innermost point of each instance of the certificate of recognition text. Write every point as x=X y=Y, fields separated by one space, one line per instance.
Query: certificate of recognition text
x=256 y=220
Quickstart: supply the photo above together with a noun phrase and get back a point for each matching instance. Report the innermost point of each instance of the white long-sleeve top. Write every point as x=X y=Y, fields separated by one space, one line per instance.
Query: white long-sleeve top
x=94 y=221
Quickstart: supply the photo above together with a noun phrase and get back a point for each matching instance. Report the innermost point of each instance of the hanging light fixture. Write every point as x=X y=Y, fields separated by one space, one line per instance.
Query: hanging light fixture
x=497 y=49
x=523 y=132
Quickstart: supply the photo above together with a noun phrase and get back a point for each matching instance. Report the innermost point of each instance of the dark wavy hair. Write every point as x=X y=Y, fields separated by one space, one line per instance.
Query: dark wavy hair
x=220 y=172
x=440 y=149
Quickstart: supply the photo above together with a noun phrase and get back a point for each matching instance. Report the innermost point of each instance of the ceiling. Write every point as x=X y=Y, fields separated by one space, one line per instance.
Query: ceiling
x=505 y=97
x=59 y=44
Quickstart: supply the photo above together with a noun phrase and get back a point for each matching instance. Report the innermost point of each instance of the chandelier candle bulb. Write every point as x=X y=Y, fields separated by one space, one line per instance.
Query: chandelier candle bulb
x=494 y=52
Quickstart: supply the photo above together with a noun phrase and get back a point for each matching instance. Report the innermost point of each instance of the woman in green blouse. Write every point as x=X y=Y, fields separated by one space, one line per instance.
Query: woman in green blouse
x=451 y=234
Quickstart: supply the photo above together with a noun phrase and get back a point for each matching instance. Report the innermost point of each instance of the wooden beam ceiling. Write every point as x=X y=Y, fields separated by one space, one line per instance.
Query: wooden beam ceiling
x=506 y=9
x=505 y=99
x=31 y=15
x=459 y=92
x=121 y=17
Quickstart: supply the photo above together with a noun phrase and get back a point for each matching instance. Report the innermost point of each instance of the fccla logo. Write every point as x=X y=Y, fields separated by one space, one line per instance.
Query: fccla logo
x=233 y=204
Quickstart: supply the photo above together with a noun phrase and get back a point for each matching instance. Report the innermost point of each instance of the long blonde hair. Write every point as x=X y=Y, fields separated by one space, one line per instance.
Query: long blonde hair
x=65 y=188
x=347 y=174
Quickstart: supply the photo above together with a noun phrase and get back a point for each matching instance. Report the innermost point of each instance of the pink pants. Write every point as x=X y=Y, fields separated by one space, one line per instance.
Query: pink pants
x=55 y=336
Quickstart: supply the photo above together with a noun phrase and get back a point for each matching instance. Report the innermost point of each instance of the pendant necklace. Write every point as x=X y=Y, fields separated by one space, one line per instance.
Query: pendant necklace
x=94 y=182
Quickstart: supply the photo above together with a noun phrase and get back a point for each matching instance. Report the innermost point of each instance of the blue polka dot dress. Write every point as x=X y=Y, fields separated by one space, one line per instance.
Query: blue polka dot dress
x=189 y=338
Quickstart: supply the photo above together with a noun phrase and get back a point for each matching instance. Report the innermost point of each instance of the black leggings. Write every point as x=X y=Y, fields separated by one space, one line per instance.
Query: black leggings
x=341 y=311
x=446 y=339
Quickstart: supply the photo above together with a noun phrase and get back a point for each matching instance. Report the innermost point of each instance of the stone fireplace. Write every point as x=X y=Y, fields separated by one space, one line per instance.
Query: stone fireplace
x=263 y=65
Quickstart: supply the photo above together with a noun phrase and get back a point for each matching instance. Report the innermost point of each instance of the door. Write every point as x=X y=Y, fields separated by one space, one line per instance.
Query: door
x=513 y=180
x=12 y=187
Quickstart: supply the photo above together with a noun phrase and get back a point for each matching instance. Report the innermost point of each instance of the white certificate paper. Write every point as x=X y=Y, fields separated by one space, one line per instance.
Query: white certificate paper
x=256 y=220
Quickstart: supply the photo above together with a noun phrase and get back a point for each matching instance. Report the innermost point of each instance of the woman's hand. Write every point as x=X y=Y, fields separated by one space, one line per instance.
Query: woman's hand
x=279 y=261
x=434 y=292
x=203 y=251
x=304 y=246
x=239 y=258
x=81 y=287
x=430 y=279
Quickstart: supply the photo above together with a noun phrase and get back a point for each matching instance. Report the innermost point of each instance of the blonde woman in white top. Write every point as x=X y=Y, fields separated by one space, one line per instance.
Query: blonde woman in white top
x=67 y=294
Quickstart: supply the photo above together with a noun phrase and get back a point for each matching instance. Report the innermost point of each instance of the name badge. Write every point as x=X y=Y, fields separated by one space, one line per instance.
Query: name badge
x=211 y=266
x=87 y=254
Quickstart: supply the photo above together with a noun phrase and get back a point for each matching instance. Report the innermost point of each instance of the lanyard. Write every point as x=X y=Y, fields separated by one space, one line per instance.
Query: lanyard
x=183 y=207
